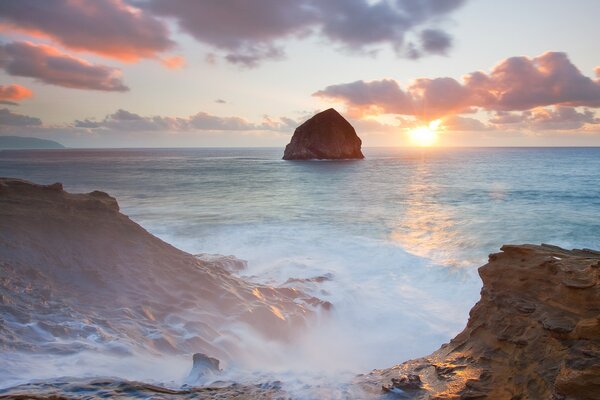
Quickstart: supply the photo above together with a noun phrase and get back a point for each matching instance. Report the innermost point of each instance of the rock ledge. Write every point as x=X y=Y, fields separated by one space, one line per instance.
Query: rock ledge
x=535 y=334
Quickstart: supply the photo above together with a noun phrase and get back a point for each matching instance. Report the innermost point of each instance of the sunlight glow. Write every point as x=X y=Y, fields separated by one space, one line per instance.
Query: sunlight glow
x=425 y=136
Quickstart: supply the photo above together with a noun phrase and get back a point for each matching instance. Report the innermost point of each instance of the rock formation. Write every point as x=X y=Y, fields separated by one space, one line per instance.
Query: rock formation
x=203 y=368
x=535 y=334
x=326 y=135
x=72 y=267
x=78 y=275
x=111 y=388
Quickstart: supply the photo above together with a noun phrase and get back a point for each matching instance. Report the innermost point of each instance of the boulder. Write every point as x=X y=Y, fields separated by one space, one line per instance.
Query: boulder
x=327 y=135
x=203 y=369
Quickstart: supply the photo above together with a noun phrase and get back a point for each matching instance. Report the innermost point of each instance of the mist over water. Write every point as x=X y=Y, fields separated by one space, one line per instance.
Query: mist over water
x=394 y=239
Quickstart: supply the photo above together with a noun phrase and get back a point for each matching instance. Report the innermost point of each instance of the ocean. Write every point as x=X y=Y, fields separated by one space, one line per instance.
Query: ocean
x=398 y=236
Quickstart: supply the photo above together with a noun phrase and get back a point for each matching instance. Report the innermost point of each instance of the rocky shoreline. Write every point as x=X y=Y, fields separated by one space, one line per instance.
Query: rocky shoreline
x=534 y=334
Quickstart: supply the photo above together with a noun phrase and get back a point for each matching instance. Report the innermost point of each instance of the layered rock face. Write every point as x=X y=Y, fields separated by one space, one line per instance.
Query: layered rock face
x=535 y=334
x=76 y=274
x=326 y=135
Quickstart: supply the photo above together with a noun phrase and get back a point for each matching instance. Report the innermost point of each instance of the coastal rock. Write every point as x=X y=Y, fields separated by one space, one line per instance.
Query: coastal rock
x=228 y=263
x=327 y=135
x=535 y=334
x=77 y=275
x=203 y=368
x=112 y=388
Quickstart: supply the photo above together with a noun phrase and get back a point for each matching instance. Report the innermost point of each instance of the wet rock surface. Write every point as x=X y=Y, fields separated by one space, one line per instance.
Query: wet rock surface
x=102 y=388
x=76 y=275
x=327 y=135
x=535 y=334
x=203 y=368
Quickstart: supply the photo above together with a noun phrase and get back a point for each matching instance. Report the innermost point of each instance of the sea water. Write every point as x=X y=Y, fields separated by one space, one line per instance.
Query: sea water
x=398 y=235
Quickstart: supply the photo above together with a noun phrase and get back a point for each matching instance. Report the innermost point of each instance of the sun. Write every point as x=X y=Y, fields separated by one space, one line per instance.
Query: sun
x=425 y=136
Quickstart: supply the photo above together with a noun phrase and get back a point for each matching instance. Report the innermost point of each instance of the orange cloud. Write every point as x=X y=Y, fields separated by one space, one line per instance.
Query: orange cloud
x=111 y=29
x=174 y=62
x=14 y=92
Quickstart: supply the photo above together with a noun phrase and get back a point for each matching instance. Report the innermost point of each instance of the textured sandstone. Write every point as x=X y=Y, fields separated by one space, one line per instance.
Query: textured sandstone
x=535 y=334
x=326 y=135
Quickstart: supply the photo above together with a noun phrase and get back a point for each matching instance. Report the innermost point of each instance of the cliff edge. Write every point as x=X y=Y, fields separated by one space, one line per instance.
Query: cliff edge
x=76 y=274
x=535 y=334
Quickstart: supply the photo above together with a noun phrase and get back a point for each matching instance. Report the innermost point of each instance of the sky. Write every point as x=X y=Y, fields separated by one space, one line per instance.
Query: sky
x=177 y=73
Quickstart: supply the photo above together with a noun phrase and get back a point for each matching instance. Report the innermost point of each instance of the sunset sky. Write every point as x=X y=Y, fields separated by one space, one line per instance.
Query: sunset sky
x=171 y=73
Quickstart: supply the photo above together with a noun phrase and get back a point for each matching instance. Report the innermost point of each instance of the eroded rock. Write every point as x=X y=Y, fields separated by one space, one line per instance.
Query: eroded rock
x=327 y=135
x=204 y=368
x=535 y=334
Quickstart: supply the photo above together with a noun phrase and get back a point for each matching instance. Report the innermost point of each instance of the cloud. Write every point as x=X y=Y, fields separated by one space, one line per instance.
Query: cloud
x=8 y=118
x=10 y=93
x=204 y=121
x=559 y=118
x=49 y=65
x=435 y=41
x=464 y=124
x=250 y=32
x=123 y=120
x=515 y=84
x=110 y=28
x=174 y=62
x=126 y=121
x=508 y=118
x=220 y=101
x=376 y=97
x=522 y=83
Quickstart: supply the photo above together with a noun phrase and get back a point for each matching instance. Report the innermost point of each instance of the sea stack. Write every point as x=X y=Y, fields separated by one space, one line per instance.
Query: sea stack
x=325 y=136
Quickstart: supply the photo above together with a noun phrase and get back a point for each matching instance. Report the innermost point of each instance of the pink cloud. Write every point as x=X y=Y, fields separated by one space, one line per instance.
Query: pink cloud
x=515 y=84
x=49 y=65
x=522 y=83
x=109 y=28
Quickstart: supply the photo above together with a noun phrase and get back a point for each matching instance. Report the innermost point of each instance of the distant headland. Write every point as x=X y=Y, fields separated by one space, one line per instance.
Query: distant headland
x=23 y=143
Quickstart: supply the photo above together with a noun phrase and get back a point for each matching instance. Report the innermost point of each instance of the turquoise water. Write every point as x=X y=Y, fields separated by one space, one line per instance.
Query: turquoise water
x=464 y=202
x=401 y=233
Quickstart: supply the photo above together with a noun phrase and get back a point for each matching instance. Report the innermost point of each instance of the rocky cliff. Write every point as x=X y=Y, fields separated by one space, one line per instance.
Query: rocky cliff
x=327 y=135
x=78 y=275
x=535 y=334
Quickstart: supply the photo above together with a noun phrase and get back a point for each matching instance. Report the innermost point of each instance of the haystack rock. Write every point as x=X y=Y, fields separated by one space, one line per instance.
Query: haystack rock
x=326 y=135
x=535 y=334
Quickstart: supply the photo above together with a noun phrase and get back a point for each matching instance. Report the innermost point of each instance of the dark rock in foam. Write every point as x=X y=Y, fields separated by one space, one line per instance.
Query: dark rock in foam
x=204 y=368
x=326 y=135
